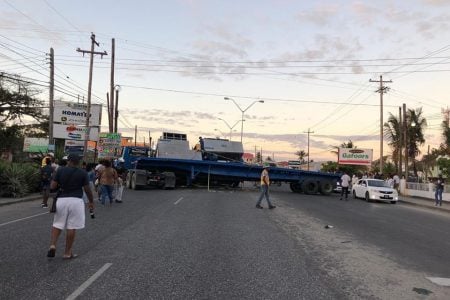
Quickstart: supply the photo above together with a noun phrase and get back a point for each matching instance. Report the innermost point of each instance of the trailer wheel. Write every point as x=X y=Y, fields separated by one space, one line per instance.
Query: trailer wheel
x=310 y=186
x=295 y=187
x=128 y=181
x=325 y=187
x=134 y=186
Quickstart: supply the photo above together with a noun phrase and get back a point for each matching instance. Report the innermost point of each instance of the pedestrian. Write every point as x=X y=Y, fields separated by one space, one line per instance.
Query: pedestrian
x=345 y=183
x=46 y=178
x=50 y=155
x=396 y=182
x=70 y=213
x=390 y=181
x=107 y=179
x=354 y=179
x=265 y=181
x=439 y=190
x=91 y=177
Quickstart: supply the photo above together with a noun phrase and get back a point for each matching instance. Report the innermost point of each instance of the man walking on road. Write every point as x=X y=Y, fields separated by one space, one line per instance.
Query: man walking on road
x=46 y=177
x=345 y=183
x=265 y=181
x=70 y=213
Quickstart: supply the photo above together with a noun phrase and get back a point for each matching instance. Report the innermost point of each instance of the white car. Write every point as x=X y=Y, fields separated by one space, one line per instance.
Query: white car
x=374 y=190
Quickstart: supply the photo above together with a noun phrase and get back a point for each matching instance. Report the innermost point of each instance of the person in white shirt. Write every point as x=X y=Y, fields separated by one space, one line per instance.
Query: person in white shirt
x=396 y=181
x=345 y=183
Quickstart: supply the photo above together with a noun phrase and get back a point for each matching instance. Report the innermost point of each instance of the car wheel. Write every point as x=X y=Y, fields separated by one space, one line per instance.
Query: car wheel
x=393 y=202
x=368 y=197
x=354 y=195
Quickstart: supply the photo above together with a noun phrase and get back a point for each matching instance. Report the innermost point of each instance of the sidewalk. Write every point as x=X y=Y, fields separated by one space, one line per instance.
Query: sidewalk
x=416 y=201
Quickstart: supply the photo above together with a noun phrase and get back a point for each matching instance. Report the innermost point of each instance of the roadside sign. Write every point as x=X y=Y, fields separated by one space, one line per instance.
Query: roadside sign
x=108 y=145
x=35 y=145
x=353 y=156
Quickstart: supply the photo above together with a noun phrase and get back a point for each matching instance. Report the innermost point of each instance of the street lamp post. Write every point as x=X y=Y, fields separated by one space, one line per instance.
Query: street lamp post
x=230 y=127
x=243 y=111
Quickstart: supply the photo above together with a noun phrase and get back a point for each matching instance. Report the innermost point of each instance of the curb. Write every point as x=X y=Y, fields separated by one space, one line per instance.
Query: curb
x=425 y=206
x=8 y=201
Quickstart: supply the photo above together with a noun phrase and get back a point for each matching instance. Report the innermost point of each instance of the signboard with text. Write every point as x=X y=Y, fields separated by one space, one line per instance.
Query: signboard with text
x=353 y=156
x=108 y=145
x=35 y=145
x=70 y=120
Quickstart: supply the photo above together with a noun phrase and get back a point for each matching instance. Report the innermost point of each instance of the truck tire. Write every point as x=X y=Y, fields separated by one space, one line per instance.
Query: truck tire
x=310 y=186
x=295 y=187
x=325 y=187
x=134 y=186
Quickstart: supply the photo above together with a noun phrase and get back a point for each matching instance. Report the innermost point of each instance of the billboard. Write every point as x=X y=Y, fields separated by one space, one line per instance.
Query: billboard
x=69 y=120
x=35 y=145
x=353 y=156
x=108 y=145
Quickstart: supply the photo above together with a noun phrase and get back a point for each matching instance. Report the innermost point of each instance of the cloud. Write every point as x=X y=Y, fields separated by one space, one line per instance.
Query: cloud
x=437 y=2
x=320 y=16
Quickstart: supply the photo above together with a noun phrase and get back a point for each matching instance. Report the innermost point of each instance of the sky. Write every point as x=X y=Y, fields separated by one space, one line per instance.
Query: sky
x=309 y=61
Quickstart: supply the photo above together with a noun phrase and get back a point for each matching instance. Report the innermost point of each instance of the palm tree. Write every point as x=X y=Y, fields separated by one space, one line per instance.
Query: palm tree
x=301 y=156
x=446 y=134
x=392 y=132
x=343 y=145
x=416 y=124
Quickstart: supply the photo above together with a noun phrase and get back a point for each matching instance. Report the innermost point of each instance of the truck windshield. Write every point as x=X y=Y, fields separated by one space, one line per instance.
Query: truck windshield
x=134 y=152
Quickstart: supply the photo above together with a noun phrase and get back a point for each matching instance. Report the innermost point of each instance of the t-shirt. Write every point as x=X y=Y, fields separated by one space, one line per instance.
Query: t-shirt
x=74 y=186
x=46 y=174
x=108 y=176
x=396 y=179
x=345 y=179
x=264 y=174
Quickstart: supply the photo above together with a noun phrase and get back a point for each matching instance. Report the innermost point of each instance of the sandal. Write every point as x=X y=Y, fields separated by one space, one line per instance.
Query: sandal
x=51 y=252
x=71 y=256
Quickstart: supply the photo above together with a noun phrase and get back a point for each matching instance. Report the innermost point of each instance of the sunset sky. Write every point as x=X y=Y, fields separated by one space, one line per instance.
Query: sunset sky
x=309 y=61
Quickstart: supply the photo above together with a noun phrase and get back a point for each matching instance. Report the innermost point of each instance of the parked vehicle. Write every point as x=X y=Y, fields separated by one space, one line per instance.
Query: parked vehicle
x=374 y=190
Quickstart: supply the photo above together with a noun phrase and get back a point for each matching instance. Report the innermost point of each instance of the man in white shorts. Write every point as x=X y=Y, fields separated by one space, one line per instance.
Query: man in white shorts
x=70 y=214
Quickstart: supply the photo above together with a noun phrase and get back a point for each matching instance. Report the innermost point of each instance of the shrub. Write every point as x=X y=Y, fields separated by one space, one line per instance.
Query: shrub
x=17 y=179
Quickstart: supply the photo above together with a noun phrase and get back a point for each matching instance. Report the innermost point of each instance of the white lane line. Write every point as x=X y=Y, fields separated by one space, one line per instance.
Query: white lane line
x=440 y=281
x=178 y=201
x=88 y=282
x=18 y=220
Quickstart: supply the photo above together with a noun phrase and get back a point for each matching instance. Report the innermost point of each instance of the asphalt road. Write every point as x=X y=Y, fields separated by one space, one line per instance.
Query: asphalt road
x=200 y=244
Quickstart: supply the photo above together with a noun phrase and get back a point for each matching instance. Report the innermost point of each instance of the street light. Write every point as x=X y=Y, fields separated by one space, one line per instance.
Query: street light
x=230 y=127
x=243 y=111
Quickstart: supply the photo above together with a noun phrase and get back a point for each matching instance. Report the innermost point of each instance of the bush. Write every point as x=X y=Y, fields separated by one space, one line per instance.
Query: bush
x=17 y=179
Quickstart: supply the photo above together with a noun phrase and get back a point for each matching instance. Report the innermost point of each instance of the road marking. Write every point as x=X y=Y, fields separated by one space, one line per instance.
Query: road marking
x=178 y=201
x=18 y=220
x=88 y=282
x=439 y=280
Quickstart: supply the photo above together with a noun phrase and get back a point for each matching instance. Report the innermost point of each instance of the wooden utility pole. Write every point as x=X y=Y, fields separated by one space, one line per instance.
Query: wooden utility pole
x=400 y=141
x=135 y=135
x=405 y=136
x=116 y=111
x=51 y=96
x=381 y=90
x=111 y=90
x=109 y=111
x=88 y=110
x=308 y=132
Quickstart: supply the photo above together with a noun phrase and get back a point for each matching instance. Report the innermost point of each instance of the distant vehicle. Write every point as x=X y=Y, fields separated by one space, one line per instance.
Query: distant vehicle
x=374 y=190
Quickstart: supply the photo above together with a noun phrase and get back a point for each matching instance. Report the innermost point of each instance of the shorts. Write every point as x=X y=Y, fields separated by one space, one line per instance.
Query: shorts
x=69 y=213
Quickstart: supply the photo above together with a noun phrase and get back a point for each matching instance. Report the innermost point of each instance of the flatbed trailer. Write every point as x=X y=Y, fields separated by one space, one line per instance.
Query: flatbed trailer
x=169 y=172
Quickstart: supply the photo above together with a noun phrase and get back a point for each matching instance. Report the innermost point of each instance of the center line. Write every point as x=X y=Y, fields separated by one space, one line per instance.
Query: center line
x=88 y=282
x=18 y=220
x=178 y=201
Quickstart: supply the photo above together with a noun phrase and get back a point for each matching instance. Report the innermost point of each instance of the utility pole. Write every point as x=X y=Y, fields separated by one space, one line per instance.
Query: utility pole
x=308 y=132
x=116 y=111
x=405 y=135
x=135 y=135
x=381 y=90
x=109 y=111
x=111 y=90
x=51 y=96
x=88 y=110
x=400 y=141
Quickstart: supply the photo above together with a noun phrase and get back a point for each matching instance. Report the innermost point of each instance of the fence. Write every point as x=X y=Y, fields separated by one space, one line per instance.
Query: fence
x=424 y=190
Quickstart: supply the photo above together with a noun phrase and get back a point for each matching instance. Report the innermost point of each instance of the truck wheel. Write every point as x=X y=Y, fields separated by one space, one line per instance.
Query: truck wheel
x=134 y=186
x=295 y=187
x=128 y=182
x=310 y=187
x=325 y=187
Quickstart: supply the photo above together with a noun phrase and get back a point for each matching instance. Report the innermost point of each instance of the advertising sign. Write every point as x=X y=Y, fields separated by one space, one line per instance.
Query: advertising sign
x=35 y=145
x=70 y=120
x=353 y=156
x=108 y=145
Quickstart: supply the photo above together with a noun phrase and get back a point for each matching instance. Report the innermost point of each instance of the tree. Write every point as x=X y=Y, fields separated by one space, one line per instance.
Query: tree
x=349 y=144
x=416 y=124
x=444 y=166
x=445 y=146
x=301 y=156
x=392 y=132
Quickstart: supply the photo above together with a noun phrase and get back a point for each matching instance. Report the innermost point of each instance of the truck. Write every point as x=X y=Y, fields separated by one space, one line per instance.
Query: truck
x=213 y=162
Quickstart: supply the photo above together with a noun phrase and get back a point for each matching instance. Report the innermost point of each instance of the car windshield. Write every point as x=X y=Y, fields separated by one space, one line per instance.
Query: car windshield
x=378 y=183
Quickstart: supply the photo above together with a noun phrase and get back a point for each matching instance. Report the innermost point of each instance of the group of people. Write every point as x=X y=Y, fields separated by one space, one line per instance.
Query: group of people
x=76 y=186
